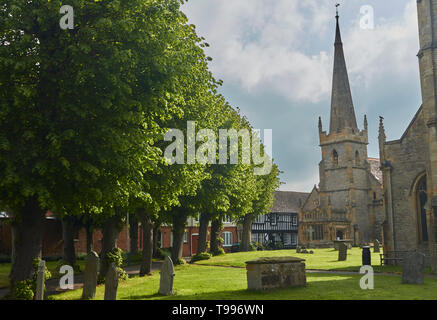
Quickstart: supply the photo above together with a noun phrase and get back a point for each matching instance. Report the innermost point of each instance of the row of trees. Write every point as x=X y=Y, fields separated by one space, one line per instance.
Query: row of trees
x=83 y=113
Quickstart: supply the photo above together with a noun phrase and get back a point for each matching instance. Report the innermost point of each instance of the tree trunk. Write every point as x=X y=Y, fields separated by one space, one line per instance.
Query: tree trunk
x=216 y=227
x=179 y=220
x=110 y=232
x=155 y=239
x=203 y=233
x=146 y=262
x=69 y=252
x=247 y=232
x=89 y=238
x=27 y=228
x=133 y=233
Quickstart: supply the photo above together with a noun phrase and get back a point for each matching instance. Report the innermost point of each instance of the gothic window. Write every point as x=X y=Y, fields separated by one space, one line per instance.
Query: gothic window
x=357 y=158
x=335 y=158
x=421 y=198
x=318 y=232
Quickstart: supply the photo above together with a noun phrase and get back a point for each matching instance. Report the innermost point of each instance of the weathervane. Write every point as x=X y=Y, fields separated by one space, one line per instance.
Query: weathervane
x=336 y=9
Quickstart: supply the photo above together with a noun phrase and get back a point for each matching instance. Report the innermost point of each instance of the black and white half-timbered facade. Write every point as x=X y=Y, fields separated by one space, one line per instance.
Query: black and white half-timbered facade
x=278 y=229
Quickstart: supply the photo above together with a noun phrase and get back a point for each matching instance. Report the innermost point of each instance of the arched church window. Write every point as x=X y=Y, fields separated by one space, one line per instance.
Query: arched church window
x=335 y=158
x=357 y=158
x=421 y=198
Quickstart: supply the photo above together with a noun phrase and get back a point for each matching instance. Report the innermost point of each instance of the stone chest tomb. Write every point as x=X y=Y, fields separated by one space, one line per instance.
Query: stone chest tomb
x=278 y=272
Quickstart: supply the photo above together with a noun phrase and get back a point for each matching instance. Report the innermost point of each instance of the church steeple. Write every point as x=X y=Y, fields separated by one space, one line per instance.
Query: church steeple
x=342 y=108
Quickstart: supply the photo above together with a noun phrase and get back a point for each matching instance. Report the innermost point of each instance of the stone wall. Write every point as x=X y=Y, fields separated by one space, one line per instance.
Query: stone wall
x=407 y=159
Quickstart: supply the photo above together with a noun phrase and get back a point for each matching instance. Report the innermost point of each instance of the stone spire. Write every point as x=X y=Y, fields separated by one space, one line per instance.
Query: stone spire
x=342 y=108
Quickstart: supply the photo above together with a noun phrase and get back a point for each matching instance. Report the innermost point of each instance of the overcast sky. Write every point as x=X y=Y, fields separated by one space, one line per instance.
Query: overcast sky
x=276 y=58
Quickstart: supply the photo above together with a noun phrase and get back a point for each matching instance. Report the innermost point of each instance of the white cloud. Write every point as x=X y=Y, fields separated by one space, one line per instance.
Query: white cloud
x=267 y=44
x=385 y=52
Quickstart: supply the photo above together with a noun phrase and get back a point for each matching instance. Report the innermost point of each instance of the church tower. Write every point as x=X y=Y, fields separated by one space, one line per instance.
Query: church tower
x=343 y=169
x=347 y=204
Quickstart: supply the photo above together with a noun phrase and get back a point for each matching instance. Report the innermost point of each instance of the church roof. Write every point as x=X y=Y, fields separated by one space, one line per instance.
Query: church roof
x=342 y=108
x=375 y=168
x=288 y=201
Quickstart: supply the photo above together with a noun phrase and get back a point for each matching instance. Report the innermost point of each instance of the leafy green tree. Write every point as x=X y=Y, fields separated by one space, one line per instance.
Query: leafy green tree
x=80 y=109
x=265 y=186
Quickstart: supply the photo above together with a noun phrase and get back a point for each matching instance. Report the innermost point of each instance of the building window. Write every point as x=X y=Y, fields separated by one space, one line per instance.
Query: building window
x=293 y=239
x=185 y=237
x=294 y=220
x=357 y=158
x=287 y=239
x=171 y=239
x=227 y=239
x=273 y=217
x=227 y=219
x=421 y=198
x=317 y=232
x=335 y=158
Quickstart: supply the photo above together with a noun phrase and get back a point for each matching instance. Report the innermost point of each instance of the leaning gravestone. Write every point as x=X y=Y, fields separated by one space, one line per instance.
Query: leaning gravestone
x=376 y=245
x=111 y=283
x=90 y=275
x=39 y=294
x=342 y=252
x=413 y=268
x=167 y=275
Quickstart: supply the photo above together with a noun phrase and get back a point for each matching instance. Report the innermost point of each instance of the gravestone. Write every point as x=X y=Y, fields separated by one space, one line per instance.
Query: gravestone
x=366 y=256
x=298 y=249
x=90 y=275
x=376 y=246
x=111 y=283
x=39 y=294
x=413 y=268
x=342 y=252
x=167 y=275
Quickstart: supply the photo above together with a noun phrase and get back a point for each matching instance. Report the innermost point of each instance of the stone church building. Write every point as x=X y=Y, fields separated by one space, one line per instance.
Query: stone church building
x=409 y=165
x=347 y=204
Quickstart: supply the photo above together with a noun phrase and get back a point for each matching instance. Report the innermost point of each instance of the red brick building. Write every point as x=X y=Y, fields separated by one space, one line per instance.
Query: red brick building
x=52 y=238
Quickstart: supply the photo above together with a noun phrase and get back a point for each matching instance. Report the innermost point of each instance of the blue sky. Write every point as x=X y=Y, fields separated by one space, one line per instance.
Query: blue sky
x=276 y=58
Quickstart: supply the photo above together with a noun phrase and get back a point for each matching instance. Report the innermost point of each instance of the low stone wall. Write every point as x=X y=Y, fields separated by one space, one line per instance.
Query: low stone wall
x=273 y=273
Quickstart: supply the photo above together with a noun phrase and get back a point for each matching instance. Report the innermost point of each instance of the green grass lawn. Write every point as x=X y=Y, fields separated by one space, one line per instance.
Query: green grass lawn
x=208 y=282
x=322 y=259
x=51 y=265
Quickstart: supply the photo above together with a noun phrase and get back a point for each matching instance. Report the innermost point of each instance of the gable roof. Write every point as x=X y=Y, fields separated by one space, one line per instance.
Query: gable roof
x=288 y=201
